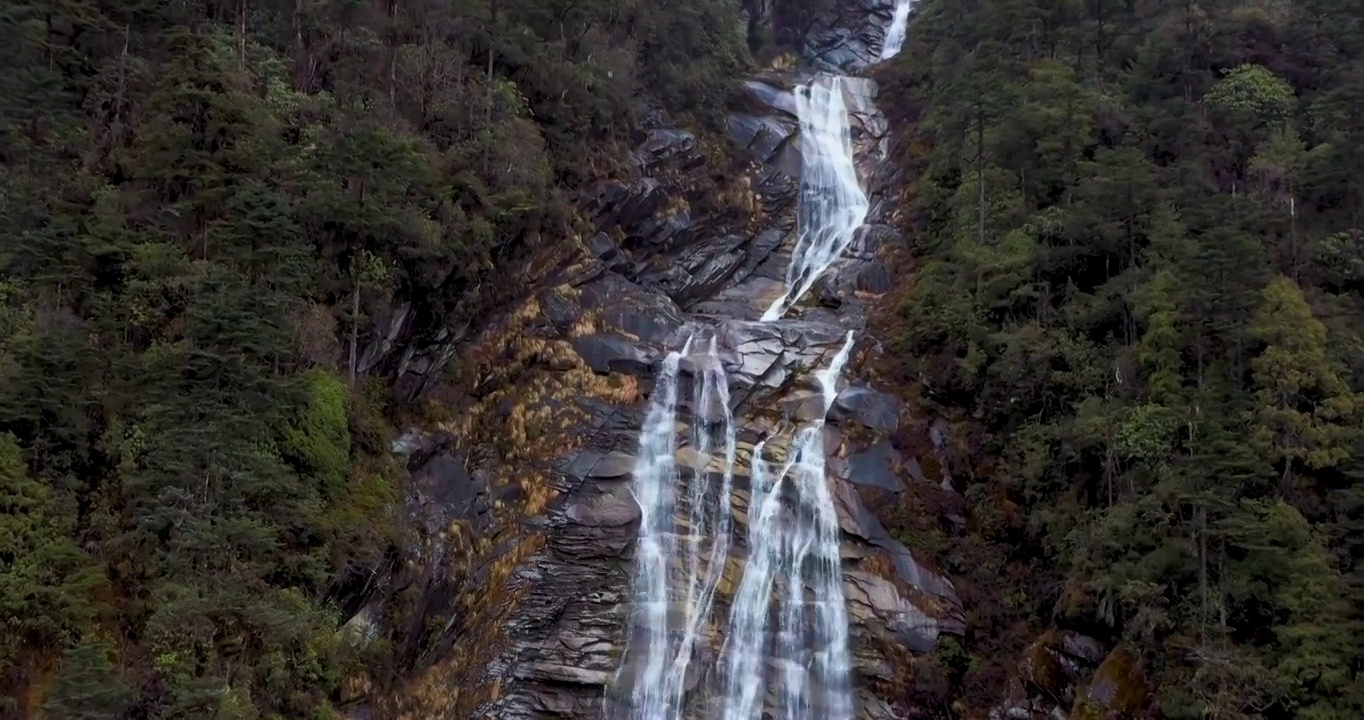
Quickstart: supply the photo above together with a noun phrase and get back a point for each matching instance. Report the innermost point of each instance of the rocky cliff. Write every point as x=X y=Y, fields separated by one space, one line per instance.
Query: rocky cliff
x=523 y=498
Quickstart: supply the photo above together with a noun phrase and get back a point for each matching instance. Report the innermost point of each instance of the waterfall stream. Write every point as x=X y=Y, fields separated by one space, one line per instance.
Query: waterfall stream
x=793 y=537
x=656 y=689
x=786 y=640
x=898 y=30
x=832 y=204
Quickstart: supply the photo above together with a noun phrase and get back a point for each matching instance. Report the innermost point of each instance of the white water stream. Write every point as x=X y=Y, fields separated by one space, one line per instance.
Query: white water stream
x=786 y=641
x=832 y=204
x=793 y=538
x=898 y=30
x=655 y=688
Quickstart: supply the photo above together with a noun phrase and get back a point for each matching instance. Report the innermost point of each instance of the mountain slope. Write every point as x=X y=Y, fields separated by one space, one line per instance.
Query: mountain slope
x=210 y=215
x=1136 y=299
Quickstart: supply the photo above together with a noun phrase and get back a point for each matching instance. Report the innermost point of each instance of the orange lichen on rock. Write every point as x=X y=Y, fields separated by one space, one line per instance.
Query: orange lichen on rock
x=526 y=388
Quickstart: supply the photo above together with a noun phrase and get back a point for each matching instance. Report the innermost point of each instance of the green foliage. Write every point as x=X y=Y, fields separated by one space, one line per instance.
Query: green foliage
x=318 y=439
x=1306 y=413
x=89 y=684
x=203 y=205
x=1253 y=92
x=46 y=583
x=693 y=52
x=1136 y=297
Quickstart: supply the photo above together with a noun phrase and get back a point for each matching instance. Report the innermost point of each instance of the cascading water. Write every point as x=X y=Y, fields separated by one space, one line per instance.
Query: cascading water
x=712 y=416
x=817 y=536
x=746 y=645
x=793 y=532
x=793 y=537
x=832 y=204
x=654 y=483
x=670 y=643
x=898 y=30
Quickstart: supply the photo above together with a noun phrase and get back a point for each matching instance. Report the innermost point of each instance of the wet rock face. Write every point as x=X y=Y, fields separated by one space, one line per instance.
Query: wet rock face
x=664 y=261
x=850 y=39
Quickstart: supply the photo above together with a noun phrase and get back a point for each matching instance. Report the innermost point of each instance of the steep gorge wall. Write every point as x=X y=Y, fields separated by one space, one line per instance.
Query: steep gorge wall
x=523 y=496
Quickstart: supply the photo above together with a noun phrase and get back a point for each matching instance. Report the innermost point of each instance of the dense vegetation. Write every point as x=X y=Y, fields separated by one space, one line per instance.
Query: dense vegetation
x=1138 y=243
x=204 y=207
x=1138 y=258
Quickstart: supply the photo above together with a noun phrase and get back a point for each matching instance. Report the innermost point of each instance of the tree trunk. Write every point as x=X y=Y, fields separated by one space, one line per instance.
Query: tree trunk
x=241 y=34
x=1203 y=574
x=980 y=173
x=492 y=52
x=393 y=55
x=303 y=62
x=354 y=326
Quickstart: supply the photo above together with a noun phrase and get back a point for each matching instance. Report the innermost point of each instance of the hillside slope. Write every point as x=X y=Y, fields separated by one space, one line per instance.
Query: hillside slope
x=209 y=215
x=1137 y=259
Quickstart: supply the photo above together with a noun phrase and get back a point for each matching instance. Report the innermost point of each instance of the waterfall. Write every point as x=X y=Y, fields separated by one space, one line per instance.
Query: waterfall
x=817 y=540
x=655 y=478
x=660 y=684
x=832 y=204
x=707 y=522
x=793 y=537
x=746 y=645
x=897 y=30
x=792 y=578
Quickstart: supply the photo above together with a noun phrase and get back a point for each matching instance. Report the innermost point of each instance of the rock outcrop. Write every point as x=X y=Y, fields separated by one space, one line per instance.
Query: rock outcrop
x=1064 y=674
x=530 y=522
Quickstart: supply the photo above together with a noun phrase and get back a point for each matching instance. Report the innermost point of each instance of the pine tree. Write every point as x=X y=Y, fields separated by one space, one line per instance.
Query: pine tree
x=1305 y=412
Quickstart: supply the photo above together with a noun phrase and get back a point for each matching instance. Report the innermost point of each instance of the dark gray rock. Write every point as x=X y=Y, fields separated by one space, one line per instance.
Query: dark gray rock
x=857 y=520
x=875 y=237
x=560 y=310
x=862 y=405
x=877 y=467
x=627 y=308
x=613 y=353
x=1083 y=648
x=699 y=270
x=668 y=146
x=771 y=97
x=875 y=277
x=761 y=136
x=601 y=246
x=596 y=464
x=444 y=490
x=612 y=506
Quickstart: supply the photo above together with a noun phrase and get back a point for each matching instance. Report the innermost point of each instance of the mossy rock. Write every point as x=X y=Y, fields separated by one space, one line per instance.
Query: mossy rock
x=1042 y=668
x=1117 y=690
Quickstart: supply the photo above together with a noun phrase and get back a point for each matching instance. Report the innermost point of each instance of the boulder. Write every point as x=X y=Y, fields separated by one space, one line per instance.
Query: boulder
x=878 y=466
x=1118 y=688
x=608 y=353
x=864 y=406
x=612 y=506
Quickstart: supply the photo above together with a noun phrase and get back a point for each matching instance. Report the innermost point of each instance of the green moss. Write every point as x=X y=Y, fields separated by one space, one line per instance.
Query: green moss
x=1118 y=688
x=318 y=438
x=1044 y=670
x=952 y=654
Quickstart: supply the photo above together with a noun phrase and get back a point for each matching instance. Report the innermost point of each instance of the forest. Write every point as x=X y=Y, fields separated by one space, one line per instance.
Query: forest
x=1136 y=253
x=1137 y=260
x=204 y=207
